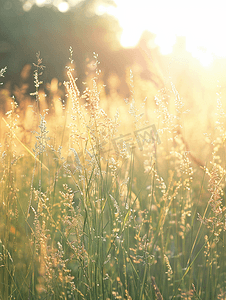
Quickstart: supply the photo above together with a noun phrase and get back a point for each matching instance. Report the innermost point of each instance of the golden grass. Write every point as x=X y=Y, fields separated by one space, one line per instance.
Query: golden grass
x=87 y=213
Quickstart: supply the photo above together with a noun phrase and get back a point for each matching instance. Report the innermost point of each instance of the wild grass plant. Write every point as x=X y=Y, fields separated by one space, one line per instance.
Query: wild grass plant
x=87 y=213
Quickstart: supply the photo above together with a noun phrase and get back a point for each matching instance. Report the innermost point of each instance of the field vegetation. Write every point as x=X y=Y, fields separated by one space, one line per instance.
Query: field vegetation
x=97 y=204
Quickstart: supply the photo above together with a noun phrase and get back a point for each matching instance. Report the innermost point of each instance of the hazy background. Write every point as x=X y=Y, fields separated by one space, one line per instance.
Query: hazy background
x=161 y=41
x=177 y=37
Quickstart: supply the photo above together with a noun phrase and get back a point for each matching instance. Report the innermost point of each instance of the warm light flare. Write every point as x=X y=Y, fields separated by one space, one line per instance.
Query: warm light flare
x=130 y=39
x=166 y=43
x=40 y=3
x=201 y=22
x=63 y=6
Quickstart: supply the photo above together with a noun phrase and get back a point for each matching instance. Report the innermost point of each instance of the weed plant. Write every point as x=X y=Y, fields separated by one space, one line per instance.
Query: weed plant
x=85 y=214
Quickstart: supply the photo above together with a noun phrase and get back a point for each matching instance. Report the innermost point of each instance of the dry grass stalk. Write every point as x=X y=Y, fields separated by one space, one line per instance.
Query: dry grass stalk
x=156 y=289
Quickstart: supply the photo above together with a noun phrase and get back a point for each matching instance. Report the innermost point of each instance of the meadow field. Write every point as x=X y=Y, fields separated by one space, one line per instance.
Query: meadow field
x=109 y=198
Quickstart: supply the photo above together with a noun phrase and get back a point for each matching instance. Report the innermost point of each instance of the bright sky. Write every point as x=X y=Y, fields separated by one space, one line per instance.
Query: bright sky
x=202 y=22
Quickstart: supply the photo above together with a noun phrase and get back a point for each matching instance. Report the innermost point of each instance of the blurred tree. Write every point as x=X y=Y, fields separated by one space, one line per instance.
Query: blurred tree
x=46 y=29
x=51 y=32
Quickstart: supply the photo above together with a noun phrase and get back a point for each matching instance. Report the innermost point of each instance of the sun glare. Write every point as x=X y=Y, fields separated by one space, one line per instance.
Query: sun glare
x=165 y=42
x=200 y=22
x=130 y=39
x=63 y=6
x=40 y=3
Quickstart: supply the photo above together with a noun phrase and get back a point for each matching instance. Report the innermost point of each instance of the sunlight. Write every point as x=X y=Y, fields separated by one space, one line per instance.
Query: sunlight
x=63 y=6
x=103 y=9
x=204 y=56
x=27 y=6
x=200 y=22
x=130 y=37
x=40 y=3
x=165 y=42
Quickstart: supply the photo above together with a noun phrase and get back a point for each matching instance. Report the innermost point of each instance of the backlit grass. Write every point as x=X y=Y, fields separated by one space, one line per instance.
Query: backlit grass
x=85 y=216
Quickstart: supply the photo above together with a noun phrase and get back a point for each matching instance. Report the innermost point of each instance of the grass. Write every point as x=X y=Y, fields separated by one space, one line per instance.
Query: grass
x=87 y=215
